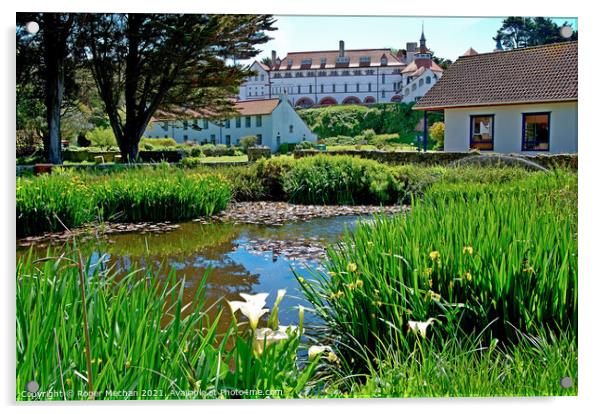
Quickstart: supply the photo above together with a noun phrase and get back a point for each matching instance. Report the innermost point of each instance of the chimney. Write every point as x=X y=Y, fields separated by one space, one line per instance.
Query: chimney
x=411 y=47
x=341 y=48
x=273 y=58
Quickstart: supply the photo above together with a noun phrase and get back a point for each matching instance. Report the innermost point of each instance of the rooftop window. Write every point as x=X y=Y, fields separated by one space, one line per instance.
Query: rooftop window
x=306 y=62
x=342 y=59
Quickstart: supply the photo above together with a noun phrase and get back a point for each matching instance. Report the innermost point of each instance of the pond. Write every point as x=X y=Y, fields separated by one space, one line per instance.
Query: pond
x=247 y=258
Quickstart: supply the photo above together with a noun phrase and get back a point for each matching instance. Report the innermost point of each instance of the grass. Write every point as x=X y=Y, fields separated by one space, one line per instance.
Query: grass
x=226 y=158
x=474 y=257
x=70 y=199
x=84 y=332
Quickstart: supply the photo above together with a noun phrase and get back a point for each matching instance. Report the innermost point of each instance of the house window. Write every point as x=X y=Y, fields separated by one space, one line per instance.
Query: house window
x=185 y=138
x=357 y=87
x=383 y=61
x=536 y=132
x=299 y=89
x=227 y=123
x=334 y=88
x=370 y=87
x=262 y=77
x=195 y=124
x=228 y=139
x=345 y=86
x=247 y=122
x=258 y=121
x=421 y=82
x=382 y=94
x=481 y=132
x=165 y=126
x=213 y=139
x=185 y=124
x=205 y=124
x=428 y=80
x=310 y=89
x=383 y=78
x=290 y=129
x=238 y=122
x=259 y=139
x=321 y=88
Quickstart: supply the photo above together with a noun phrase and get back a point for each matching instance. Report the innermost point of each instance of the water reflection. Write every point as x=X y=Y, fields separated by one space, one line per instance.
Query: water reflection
x=225 y=250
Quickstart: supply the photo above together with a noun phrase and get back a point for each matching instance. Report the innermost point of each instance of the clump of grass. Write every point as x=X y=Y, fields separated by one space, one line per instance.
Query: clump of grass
x=69 y=199
x=471 y=256
x=339 y=180
x=84 y=332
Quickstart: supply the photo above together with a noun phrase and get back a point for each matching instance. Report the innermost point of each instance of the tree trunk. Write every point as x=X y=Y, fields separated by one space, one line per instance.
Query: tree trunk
x=54 y=92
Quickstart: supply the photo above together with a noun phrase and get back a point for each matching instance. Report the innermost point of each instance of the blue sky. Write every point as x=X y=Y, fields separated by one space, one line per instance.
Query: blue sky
x=448 y=37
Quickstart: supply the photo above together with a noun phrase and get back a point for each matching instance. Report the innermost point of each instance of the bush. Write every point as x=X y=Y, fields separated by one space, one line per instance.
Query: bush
x=101 y=137
x=437 y=133
x=248 y=141
x=190 y=162
x=159 y=142
x=28 y=142
x=286 y=148
x=219 y=150
x=339 y=180
x=196 y=151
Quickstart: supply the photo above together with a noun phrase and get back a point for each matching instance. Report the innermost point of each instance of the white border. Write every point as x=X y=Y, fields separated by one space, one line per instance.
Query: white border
x=590 y=153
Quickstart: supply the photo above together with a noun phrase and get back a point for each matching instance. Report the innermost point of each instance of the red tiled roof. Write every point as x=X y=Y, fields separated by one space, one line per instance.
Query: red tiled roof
x=331 y=56
x=413 y=68
x=244 y=108
x=264 y=66
x=545 y=73
x=470 y=52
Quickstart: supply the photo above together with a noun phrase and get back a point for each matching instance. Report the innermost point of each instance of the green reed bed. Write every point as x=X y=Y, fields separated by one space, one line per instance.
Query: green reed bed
x=500 y=259
x=88 y=333
x=64 y=200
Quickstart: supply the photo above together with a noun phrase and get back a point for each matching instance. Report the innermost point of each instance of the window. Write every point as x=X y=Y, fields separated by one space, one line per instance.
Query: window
x=428 y=80
x=334 y=73
x=258 y=121
x=370 y=87
x=185 y=138
x=383 y=78
x=259 y=139
x=195 y=124
x=262 y=77
x=322 y=73
x=238 y=122
x=227 y=123
x=382 y=94
x=288 y=75
x=413 y=86
x=407 y=91
x=310 y=74
x=306 y=61
x=481 y=132
x=536 y=131
x=299 y=89
x=357 y=87
x=342 y=59
x=321 y=88
x=370 y=72
x=290 y=129
x=345 y=73
x=364 y=60
x=289 y=62
x=345 y=87
x=421 y=82
x=228 y=139
x=334 y=88
x=310 y=89
x=247 y=122
x=213 y=139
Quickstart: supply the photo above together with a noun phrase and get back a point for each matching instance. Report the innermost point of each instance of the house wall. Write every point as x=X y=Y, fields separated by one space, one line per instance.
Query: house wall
x=283 y=117
x=507 y=127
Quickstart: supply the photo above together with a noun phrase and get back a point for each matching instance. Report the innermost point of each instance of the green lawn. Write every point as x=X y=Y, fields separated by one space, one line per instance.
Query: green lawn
x=226 y=158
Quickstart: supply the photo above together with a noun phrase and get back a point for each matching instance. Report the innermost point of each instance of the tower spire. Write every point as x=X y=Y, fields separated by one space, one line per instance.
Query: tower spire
x=423 y=49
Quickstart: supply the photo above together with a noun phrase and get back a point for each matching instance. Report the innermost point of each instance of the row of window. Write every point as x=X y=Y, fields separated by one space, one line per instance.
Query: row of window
x=421 y=82
x=323 y=73
x=535 y=132
x=228 y=139
x=333 y=88
x=195 y=123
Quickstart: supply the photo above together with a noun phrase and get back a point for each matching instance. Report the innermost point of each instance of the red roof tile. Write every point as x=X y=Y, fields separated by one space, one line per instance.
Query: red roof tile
x=545 y=73
x=331 y=56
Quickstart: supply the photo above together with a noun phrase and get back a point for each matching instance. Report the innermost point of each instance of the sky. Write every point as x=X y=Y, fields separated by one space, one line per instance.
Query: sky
x=448 y=37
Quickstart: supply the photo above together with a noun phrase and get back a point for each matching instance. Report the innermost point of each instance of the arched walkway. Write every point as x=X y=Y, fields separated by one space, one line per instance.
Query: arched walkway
x=351 y=100
x=304 y=102
x=369 y=100
x=328 y=101
x=396 y=98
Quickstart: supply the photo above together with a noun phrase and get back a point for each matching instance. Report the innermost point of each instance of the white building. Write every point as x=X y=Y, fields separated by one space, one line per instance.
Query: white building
x=518 y=101
x=332 y=77
x=272 y=121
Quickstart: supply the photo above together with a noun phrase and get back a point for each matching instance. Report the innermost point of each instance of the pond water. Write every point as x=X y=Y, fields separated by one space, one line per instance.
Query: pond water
x=246 y=258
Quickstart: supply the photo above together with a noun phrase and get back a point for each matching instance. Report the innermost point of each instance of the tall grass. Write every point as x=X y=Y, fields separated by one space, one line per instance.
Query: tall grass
x=86 y=333
x=473 y=256
x=53 y=202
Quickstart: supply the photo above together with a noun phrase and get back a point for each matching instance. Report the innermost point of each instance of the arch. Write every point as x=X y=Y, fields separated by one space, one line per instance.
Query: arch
x=396 y=98
x=421 y=82
x=351 y=100
x=304 y=102
x=413 y=87
x=369 y=100
x=428 y=80
x=407 y=91
x=329 y=100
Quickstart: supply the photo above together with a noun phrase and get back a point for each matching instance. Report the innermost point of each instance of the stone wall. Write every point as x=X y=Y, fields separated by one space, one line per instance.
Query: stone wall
x=442 y=158
x=256 y=153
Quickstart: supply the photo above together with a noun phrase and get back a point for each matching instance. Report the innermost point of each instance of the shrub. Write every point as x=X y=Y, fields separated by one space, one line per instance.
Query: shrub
x=190 y=162
x=437 y=133
x=339 y=180
x=248 y=141
x=368 y=135
x=101 y=137
x=28 y=142
x=196 y=151
x=219 y=150
x=159 y=142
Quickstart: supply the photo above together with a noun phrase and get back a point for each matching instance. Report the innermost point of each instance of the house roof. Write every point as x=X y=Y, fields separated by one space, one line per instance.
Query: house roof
x=244 y=108
x=470 y=52
x=330 y=57
x=420 y=65
x=263 y=66
x=536 y=74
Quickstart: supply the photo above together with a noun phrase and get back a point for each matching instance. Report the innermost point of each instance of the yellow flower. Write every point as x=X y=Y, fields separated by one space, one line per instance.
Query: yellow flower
x=359 y=283
x=351 y=267
x=430 y=283
x=529 y=269
x=332 y=357
x=468 y=249
x=435 y=296
x=69 y=382
x=351 y=286
x=429 y=271
x=434 y=255
x=468 y=276
x=336 y=295
x=128 y=364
